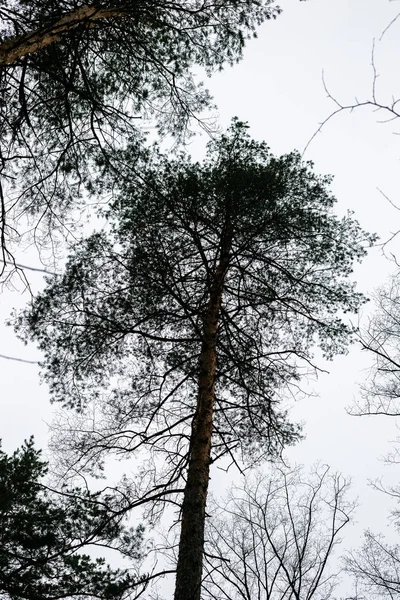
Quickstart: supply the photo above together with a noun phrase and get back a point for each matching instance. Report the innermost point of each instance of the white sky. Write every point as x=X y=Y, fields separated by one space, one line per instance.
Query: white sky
x=278 y=89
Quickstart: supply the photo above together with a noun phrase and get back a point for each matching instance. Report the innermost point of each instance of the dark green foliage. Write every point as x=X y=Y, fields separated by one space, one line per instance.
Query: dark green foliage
x=67 y=106
x=44 y=534
x=122 y=329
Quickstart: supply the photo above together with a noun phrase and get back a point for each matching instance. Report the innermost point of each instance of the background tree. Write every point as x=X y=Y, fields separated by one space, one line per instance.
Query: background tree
x=181 y=326
x=376 y=567
x=76 y=76
x=387 y=109
x=274 y=537
x=44 y=536
x=380 y=394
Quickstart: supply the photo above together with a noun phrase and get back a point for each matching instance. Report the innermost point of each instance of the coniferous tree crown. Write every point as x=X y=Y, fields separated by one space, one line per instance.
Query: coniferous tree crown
x=45 y=536
x=122 y=328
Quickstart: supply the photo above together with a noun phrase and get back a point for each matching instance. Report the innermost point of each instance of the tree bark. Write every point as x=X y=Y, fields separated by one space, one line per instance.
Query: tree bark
x=191 y=544
x=16 y=48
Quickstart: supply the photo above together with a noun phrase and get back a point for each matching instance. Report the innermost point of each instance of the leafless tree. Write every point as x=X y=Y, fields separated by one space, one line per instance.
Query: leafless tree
x=386 y=110
x=380 y=394
x=376 y=567
x=274 y=537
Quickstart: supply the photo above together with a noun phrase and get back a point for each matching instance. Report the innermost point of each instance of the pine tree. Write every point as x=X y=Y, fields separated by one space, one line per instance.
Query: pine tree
x=185 y=322
x=45 y=536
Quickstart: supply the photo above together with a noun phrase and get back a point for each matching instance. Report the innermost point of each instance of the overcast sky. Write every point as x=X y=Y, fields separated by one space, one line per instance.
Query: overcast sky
x=278 y=89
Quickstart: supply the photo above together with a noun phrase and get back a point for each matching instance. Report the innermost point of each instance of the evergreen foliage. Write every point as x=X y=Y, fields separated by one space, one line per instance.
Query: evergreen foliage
x=76 y=80
x=44 y=535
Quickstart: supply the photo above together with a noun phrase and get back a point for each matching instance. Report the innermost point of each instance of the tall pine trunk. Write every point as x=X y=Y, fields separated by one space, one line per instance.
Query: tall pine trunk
x=191 y=544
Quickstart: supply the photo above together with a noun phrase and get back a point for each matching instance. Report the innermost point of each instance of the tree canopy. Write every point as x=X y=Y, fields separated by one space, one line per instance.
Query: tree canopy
x=380 y=392
x=274 y=537
x=187 y=320
x=75 y=78
x=376 y=565
x=44 y=536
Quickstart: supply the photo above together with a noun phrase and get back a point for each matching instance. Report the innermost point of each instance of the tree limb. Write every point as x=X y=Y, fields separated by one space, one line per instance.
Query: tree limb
x=16 y=48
